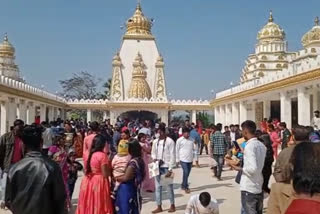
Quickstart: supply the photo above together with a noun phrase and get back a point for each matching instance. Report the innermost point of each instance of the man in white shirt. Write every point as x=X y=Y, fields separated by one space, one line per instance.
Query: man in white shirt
x=47 y=137
x=163 y=151
x=251 y=178
x=185 y=148
x=202 y=204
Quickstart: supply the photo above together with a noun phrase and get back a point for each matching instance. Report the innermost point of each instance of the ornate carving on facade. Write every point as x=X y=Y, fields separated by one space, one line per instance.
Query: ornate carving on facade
x=160 y=90
x=116 y=83
x=139 y=87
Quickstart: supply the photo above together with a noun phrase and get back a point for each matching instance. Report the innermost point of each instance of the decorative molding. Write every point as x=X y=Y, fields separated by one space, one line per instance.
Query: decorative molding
x=279 y=84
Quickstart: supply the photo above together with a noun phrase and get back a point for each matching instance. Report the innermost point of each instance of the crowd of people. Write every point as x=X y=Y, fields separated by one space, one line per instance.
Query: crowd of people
x=40 y=164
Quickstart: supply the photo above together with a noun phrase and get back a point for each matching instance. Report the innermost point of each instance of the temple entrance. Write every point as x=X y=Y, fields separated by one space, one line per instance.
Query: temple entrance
x=275 y=109
x=140 y=115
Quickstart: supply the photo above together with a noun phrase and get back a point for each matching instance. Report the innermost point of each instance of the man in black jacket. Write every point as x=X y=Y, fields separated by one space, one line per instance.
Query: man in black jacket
x=35 y=184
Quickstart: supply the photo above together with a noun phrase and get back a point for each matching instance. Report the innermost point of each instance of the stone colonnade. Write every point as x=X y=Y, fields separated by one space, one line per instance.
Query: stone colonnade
x=257 y=107
x=163 y=114
x=12 y=108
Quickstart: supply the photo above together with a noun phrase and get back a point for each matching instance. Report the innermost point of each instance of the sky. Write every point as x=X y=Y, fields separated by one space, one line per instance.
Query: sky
x=204 y=42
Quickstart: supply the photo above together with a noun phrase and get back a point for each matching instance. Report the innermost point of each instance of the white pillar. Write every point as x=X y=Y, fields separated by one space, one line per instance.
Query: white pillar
x=315 y=95
x=12 y=111
x=217 y=114
x=31 y=112
x=105 y=116
x=113 y=118
x=243 y=112
x=62 y=114
x=50 y=113
x=266 y=109
x=4 y=116
x=22 y=111
x=43 y=110
x=285 y=109
x=235 y=113
x=164 y=117
x=89 y=115
x=222 y=115
x=304 y=115
x=228 y=114
x=55 y=113
x=194 y=116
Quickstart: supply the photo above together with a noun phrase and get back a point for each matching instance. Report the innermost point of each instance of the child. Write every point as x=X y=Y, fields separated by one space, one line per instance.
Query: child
x=120 y=162
x=73 y=168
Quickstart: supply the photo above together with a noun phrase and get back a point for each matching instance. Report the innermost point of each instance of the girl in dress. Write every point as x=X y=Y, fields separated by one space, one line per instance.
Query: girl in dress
x=94 y=197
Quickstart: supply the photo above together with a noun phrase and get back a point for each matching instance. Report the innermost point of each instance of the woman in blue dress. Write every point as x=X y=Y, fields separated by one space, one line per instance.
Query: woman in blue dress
x=128 y=198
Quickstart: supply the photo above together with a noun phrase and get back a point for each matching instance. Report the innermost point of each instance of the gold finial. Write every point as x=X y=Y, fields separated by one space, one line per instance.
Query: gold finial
x=139 y=5
x=5 y=37
x=270 y=16
x=316 y=21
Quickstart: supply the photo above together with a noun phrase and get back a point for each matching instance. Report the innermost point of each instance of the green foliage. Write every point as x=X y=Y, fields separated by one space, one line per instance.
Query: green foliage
x=107 y=89
x=204 y=117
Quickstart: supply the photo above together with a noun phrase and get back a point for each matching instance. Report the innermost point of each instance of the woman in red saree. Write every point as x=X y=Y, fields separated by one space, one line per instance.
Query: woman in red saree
x=94 y=197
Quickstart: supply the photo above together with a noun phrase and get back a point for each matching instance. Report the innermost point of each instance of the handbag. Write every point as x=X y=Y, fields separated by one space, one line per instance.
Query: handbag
x=153 y=169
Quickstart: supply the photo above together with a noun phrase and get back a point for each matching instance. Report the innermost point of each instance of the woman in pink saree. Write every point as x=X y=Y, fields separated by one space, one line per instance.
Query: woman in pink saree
x=148 y=183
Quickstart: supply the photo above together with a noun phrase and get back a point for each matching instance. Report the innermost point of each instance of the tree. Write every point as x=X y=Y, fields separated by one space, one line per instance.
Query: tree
x=82 y=85
x=107 y=89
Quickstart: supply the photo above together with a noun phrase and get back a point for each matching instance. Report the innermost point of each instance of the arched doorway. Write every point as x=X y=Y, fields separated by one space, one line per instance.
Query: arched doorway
x=140 y=115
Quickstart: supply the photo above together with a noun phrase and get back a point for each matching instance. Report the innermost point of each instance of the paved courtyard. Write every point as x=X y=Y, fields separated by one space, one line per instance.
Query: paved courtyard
x=226 y=192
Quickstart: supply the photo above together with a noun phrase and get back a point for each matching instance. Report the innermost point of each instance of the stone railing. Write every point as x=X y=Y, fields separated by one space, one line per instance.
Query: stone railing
x=132 y=100
x=300 y=64
x=190 y=102
x=14 y=84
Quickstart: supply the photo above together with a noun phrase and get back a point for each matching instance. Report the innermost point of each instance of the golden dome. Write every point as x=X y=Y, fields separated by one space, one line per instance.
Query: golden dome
x=138 y=26
x=139 y=87
x=271 y=31
x=312 y=38
x=6 y=48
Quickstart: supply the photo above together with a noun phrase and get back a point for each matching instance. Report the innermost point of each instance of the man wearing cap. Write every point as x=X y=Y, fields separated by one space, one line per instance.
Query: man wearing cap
x=316 y=120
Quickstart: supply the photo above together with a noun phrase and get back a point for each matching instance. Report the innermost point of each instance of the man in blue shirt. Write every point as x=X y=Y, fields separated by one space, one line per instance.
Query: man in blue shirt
x=197 y=140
